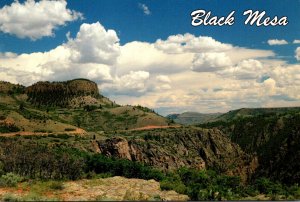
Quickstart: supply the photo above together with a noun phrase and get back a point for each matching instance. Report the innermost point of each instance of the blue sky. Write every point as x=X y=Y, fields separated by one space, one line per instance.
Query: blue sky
x=143 y=27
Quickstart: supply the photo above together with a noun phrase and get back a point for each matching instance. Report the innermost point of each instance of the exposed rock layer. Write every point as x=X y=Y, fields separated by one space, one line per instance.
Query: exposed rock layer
x=174 y=148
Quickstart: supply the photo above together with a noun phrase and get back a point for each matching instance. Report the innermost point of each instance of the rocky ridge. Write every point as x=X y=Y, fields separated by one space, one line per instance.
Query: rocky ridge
x=61 y=93
x=170 y=149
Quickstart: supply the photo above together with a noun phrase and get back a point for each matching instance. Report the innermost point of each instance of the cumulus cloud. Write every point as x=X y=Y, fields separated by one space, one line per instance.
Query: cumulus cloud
x=273 y=42
x=297 y=53
x=94 y=44
x=163 y=78
x=145 y=9
x=269 y=86
x=35 y=20
x=245 y=70
x=159 y=75
x=296 y=41
x=133 y=83
x=190 y=43
x=210 y=62
x=91 y=54
x=135 y=56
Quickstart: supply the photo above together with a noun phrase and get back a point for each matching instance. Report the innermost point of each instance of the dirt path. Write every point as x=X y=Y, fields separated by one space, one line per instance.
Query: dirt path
x=78 y=131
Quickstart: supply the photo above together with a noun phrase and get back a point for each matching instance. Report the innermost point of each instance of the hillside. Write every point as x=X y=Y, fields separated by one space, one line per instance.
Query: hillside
x=272 y=134
x=65 y=106
x=9 y=88
x=251 y=112
x=190 y=118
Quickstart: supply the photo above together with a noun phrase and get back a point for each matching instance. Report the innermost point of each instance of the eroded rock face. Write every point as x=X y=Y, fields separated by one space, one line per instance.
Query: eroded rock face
x=174 y=148
x=60 y=93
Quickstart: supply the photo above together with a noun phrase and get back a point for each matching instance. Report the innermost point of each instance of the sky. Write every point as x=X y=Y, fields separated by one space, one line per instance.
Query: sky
x=148 y=53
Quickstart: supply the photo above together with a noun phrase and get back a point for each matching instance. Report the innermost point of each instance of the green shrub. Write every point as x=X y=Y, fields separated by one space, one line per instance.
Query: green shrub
x=264 y=185
x=177 y=186
x=70 y=129
x=10 y=180
x=8 y=128
x=294 y=191
x=57 y=185
x=155 y=198
x=121 y=167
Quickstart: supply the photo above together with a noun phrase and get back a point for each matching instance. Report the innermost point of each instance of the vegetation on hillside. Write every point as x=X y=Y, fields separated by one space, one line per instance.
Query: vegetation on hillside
x=56 y=110
x=32 y=159
x=273 y=137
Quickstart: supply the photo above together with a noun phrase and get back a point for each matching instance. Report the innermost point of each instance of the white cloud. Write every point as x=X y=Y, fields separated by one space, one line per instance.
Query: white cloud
x=269 y=87
x=163 y=78
x=190 y=43
x=145 y=9
x=93 y=44
x=297 y=53
x=296 y=41
x=91 y=55
x=245 y=70
x=133 y=83
x=135 y=56
x=273 y=42
x=225 y=76
x=35 y=20
x=210 y=62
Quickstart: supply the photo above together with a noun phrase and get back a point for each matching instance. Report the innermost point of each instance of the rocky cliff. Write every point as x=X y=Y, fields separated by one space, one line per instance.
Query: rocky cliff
x=170 y=149
x=61 y=93
x=273 y=136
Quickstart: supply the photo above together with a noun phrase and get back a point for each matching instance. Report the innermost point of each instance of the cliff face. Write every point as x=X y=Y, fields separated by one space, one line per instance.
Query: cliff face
x=60 y=93
x=274 y=136
x=276 y=141
x=174 y=148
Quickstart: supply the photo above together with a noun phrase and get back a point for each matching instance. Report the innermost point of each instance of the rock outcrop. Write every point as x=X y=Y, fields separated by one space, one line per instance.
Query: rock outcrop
x=61 y=93
x=170 y=149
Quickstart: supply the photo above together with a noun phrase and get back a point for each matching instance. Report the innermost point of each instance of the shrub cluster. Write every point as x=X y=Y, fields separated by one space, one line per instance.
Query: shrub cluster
x=35 y=160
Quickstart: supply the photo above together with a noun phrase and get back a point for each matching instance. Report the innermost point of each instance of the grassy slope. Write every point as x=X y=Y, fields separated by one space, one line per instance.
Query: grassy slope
x=108 y=117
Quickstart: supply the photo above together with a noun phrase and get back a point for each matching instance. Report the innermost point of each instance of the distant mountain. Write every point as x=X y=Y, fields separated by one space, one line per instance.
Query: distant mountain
x=190 y=118
x=251 y=112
